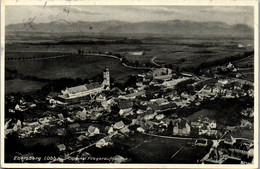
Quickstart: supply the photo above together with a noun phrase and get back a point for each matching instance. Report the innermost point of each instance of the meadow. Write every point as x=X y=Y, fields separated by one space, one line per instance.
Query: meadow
x=182 y=52
x=75 y=66
x=22 y=86
x=31 y=55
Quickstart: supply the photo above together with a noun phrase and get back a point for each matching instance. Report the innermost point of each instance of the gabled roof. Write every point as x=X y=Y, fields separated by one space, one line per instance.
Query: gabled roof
x=83 y=88
x=74 y=125
x=119 y=125
x=135 y=94
x=124 y=104
x=77 y=89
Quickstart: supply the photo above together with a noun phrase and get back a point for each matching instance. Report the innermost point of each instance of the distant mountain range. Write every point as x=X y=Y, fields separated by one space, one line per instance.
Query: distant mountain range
x=173 y=27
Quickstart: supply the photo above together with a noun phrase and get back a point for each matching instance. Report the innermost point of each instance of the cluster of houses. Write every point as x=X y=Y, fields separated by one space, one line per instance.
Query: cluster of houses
x=139 y=109
x=135 y=104
x=21 y=105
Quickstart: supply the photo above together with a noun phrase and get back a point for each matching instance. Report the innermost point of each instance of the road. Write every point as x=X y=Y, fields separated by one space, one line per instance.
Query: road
x=152 y=61
x=243 y=59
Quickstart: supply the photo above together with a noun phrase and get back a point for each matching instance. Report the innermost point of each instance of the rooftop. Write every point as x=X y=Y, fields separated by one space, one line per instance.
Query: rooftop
x=83 y=88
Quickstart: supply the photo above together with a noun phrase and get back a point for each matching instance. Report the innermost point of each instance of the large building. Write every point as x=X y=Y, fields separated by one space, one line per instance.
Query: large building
x=161 y=73
x=73 y=94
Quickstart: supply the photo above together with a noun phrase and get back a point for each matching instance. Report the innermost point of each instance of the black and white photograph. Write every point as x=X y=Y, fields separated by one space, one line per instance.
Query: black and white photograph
x=125 y=84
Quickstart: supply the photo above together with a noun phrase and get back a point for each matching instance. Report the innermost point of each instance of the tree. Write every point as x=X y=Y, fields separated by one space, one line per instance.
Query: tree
x=131 y=82
x=137 y=63
x=182 y=60
x=79 y=81
x=170 y=128
x=177 y=70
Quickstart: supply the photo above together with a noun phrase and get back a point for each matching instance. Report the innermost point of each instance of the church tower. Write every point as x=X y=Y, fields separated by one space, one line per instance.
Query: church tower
x=106 y=81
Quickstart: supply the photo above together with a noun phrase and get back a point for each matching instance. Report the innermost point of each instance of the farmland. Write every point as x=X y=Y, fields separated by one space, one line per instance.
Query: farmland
x=31 y=55
x=184 y=52
x=70 y=66
x=22 y=86
x=142 y=147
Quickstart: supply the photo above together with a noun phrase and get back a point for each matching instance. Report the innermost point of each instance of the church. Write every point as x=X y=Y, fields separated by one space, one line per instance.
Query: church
x=74 y=94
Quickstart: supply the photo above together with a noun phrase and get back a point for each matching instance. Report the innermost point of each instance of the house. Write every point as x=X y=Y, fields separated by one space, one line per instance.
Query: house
x=100 y=98
x=126 y=112
x=82 y=115
x=74 y=126
x=17 y=126
x=136 y=53
x=149 y=116
x=61 y=132
x=135 y=94
x=167 y=106
x=125 y=104
x=246 y=124
x=203 y=130
x=105 y=105
x=81 y=137
x=230 y=66
x=61 y=117
x=212 y=133
x=174 y=82
x=180 y=102
x=159 y=117
x=159 y=73
x=249 y=112
x=119 y=125
x=61 y=147
x=44 y=120
x=223 y=82
x=181 y=127
x=212 y=124
x=93 y=130
x=110 y=130
x=124 y=130
x=140 y=130
x=102 y=143
x=139 y=111
x=158 y=101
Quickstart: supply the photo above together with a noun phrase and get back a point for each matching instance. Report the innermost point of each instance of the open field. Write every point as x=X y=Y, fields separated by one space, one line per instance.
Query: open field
x=167 y=49
x=31 y=55
x=249 y=134
x=70 y=67
x=190 y=154
x=184 y=52
x=23 y=86
x=149 y=149
x=245 y=63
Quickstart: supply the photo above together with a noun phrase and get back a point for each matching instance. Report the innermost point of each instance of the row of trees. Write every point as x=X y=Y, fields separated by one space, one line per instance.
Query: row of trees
x=31 y=57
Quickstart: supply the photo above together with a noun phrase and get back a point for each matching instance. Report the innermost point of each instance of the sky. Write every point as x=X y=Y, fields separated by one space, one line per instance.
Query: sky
x=42 y=14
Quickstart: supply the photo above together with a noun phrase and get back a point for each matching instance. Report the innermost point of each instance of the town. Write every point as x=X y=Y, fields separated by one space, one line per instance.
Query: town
x=211 y=113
